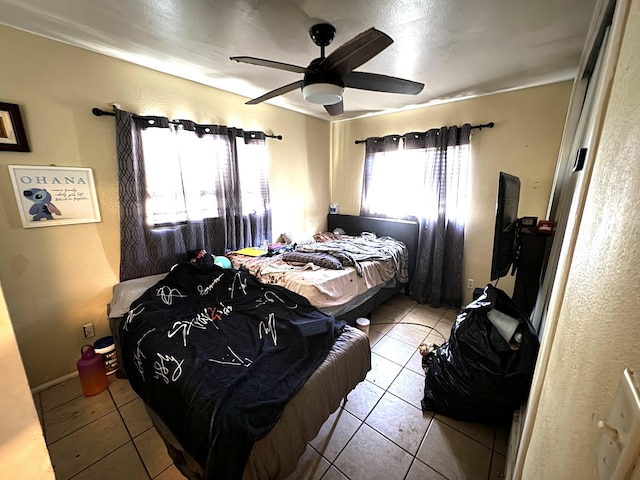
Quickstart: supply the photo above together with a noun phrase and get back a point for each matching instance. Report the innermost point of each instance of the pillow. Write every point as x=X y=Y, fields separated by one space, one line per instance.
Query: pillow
x=321 y=259
x=124 y=293
x=298 y=238
x=326 y=237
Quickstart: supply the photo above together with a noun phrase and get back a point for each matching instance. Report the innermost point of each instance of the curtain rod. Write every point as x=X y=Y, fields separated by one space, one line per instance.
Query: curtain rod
x=99 y=113
x=479 y=127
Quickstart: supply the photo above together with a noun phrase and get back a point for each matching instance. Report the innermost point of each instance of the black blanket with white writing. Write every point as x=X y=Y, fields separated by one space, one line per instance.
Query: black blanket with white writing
x=217 y=355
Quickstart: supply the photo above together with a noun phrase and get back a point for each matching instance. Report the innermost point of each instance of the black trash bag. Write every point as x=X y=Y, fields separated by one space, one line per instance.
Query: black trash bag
x=478 y=375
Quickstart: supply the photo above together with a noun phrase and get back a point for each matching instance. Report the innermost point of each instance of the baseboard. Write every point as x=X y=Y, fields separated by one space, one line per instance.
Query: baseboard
x=517 y=425
x=56 y=381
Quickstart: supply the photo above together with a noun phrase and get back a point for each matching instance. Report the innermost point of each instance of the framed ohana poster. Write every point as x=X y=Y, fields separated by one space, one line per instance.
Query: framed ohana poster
x=49 y=196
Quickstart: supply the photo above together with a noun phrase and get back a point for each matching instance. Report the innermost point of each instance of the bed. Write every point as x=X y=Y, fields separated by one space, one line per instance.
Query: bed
x=405 y=231
x=375 y=259
x=217 y=431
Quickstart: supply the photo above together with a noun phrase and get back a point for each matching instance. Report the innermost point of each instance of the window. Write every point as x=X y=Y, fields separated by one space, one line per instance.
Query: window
x=253 y=176
x=190 y=177
x=404 y=180
x=396 y=192
x=185 y=186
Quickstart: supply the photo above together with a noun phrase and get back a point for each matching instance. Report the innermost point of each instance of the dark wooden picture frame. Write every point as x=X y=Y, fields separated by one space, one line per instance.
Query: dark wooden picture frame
x=13 y=137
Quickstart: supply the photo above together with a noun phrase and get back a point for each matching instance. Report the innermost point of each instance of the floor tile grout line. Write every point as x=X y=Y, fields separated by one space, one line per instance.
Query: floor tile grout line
x=428 y=427
x=131 y=438
x=98 y=460
x=433 y=468
x=413 y=460
x=421 y=443
x=398 y=445
x=405 y=400
x=112 y=451
x=325 y=458
x=389 y=360
x=363 y=422
x=346 y=443
x=431 y=329
x=160 y=473
x=461 y=432
x=490 y=464
x=42 y=424
x=79 y=428
x=332 y=464
x=338 y=469
x=63 y=403
x=386 y=390
x=374 y=405
x=80 y=395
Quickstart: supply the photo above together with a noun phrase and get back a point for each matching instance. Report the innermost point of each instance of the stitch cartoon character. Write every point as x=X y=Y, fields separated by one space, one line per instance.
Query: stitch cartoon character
x=42 y=207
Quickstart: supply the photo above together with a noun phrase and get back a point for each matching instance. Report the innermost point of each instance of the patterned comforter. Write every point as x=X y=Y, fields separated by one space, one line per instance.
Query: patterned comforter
x=217 y=355
x=351 y=251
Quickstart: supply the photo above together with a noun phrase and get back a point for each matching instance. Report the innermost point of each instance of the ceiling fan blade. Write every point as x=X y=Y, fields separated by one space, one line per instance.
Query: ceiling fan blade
x=381 y=83
x=357 y=51
x=276 y=92
x=335 y=109
x=271 y=64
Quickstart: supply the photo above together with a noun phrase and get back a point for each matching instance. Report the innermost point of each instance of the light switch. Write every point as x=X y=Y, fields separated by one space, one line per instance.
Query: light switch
x=618 y=448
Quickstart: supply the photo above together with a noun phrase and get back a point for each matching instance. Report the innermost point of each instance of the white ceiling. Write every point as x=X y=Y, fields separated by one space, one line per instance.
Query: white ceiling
x=457 y=48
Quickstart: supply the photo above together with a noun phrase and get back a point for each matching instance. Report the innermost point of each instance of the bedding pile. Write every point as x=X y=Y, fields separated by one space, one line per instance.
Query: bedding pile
x=352 y=266
x=217 y=355
x=351 y=251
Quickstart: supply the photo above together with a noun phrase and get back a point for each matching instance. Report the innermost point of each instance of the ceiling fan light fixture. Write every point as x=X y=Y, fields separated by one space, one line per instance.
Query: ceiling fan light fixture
x=322 y=93
x=326 y=77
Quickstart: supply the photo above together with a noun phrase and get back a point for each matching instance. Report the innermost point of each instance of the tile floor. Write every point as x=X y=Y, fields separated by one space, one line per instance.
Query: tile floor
x=380 y=433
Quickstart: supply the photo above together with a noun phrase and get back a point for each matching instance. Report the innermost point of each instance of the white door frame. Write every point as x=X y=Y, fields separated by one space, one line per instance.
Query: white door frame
x=578 y=132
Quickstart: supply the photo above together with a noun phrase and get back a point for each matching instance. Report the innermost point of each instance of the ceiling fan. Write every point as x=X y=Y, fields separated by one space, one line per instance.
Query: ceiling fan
x=326 y=77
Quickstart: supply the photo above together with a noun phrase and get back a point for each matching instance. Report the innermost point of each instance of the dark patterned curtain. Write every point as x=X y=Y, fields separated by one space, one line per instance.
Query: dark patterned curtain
x=181 y=189
x=434 y=166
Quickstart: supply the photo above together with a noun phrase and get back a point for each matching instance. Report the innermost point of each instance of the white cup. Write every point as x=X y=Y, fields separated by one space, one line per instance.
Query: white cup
x=363 y=324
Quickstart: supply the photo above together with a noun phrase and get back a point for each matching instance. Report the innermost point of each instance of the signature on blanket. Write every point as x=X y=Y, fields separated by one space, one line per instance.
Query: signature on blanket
x=200 y=321
x=269 y=328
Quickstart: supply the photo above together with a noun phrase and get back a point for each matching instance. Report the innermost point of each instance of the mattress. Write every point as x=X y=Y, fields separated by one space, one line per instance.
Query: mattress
x=335 y=292
x=353 y=266
x=276 y=455
x=323 y=287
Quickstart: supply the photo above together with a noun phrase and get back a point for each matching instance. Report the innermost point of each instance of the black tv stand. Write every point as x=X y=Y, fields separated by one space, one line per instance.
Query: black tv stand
x=532 y=256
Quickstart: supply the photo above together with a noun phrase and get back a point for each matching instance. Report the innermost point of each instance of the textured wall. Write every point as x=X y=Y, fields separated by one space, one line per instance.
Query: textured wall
x=524 y=142
x=23 y=452
x=58 y=278
x=597 y=335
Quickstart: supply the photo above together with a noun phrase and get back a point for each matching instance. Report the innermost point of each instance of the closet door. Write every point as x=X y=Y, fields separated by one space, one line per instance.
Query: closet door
x=579 y=145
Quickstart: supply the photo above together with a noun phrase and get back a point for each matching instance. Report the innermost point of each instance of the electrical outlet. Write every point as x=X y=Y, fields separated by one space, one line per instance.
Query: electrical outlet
x=88 y=330
x=470 y=283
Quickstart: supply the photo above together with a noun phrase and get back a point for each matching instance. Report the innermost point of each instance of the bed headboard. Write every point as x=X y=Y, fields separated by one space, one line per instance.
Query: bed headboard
x=403 y=230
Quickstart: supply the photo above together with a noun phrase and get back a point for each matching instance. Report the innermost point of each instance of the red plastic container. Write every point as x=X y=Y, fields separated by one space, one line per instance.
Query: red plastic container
x=93 y=376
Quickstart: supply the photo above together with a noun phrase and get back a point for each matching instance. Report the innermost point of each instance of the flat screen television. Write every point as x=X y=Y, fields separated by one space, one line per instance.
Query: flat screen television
x=505 y=227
